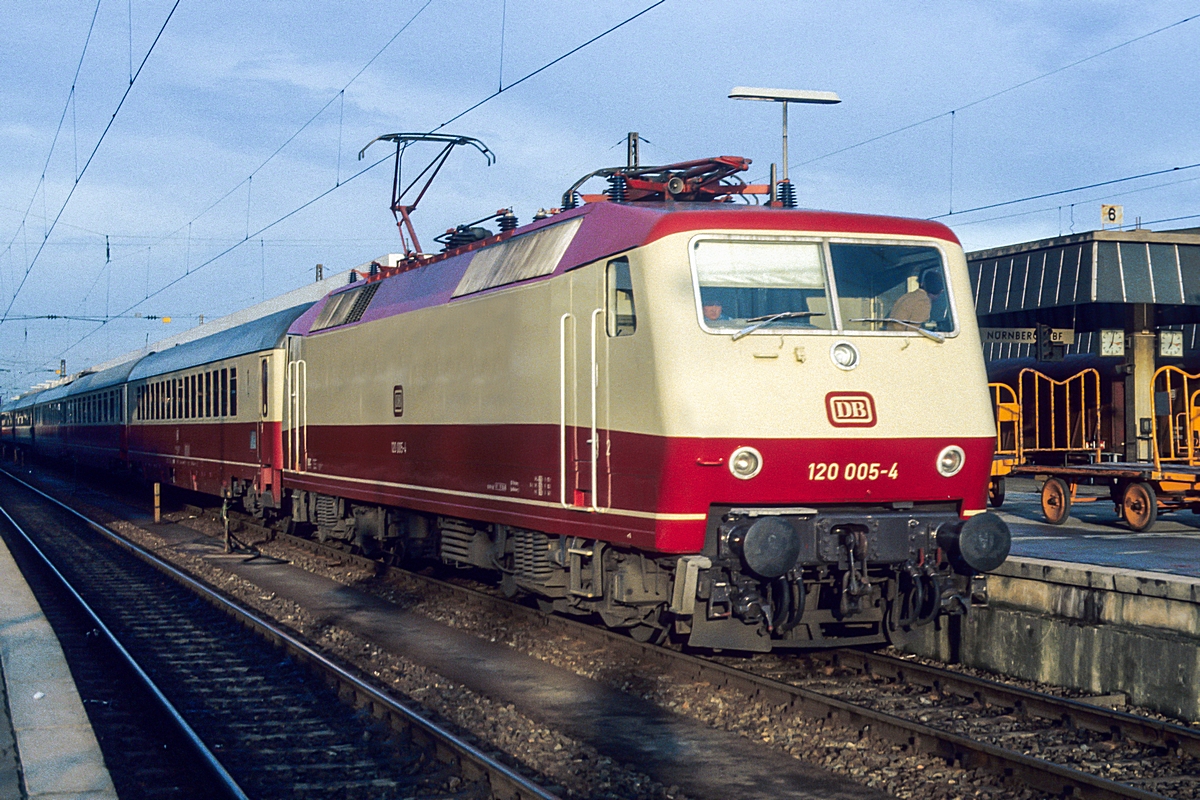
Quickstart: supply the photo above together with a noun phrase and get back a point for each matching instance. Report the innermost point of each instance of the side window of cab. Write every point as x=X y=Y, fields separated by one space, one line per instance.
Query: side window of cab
x=622 y=315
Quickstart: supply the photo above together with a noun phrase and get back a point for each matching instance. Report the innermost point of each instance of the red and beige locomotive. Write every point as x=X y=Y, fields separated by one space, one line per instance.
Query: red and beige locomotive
x=751 y=426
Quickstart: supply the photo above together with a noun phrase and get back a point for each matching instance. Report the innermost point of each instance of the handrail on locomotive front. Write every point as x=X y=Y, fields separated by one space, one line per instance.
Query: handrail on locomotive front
x=1181 y=444
x=1073 y=417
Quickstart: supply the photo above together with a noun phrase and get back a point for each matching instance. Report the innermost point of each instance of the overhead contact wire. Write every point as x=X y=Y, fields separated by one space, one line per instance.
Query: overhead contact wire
x=1068 y=191
x=53 y=142
x=334 y=188
x=549 y=64
x=994 y=95
x=87 y=163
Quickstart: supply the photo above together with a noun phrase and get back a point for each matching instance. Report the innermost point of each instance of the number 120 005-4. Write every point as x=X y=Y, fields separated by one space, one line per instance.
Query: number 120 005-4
x=851 y=472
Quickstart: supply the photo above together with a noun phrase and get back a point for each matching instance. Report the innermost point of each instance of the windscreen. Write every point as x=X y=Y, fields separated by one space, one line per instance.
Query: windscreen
x=740 y=281
x=879 y=287
x=877 y=282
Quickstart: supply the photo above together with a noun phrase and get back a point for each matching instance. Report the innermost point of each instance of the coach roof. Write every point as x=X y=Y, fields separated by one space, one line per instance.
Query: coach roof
x=265 y=333
x=113 y=376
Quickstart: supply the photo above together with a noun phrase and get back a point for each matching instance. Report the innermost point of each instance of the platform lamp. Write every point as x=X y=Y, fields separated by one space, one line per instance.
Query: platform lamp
x=787 y=192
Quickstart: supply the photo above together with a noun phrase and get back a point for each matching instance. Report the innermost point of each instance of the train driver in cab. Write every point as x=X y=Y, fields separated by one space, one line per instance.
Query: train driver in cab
x=924 y=304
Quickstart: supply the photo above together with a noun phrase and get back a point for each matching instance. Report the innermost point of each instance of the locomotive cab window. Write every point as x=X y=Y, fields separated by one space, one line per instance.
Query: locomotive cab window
x=881 y=282
x=622 y=316
x=741 y=281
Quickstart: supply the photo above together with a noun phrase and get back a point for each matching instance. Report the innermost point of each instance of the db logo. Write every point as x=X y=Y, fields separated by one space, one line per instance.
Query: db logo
x=850 y=409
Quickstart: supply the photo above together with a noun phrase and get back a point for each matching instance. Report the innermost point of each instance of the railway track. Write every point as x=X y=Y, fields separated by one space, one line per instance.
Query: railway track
x=1054 y=745
x=256 y=705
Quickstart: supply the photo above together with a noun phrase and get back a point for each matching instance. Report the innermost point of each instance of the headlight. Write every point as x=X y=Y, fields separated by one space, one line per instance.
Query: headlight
x=844 y=355
x=951 y=460
x=745 y=463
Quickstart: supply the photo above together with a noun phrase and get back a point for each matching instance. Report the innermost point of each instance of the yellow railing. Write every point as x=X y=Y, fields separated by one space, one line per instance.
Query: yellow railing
x=1008 y=420
x=1059 y=416
x=1177 y=404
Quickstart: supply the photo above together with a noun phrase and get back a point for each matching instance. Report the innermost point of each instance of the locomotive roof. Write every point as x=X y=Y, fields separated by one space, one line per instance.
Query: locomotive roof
x=606 y=229
x=265 y=333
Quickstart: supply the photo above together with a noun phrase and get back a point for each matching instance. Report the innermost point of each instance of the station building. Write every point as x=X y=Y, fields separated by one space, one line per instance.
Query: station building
x=1124 y=302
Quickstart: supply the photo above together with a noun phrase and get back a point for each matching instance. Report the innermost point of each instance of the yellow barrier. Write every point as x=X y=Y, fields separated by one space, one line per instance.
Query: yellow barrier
x=1059 y=416
x=1008 y=426
x=1177 y=401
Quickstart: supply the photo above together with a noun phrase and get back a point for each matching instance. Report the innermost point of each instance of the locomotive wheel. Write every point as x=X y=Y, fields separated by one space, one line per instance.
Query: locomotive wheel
x=996 y=492
x=1056 y=501
x=1140 y=505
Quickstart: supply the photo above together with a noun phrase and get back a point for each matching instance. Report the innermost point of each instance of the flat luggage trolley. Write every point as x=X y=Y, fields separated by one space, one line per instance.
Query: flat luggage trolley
x=1139 y=490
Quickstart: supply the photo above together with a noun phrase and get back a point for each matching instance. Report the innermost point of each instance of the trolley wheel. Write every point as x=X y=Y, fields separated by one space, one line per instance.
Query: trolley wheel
x=1140 y=505
x=996 y=492
x=1056 y=501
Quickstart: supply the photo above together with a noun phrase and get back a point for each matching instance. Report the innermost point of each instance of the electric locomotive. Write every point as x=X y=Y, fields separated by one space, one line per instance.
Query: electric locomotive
x=752 y=426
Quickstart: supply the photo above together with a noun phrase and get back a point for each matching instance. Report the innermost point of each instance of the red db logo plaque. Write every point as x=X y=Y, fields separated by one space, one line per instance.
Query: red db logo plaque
x=850 y=409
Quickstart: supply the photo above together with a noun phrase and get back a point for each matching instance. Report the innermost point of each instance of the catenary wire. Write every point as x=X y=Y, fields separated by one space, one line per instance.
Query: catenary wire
x=328 y=191
x=1067 y=191
x=54 y=142
x=95 y=149
x=1004 y=91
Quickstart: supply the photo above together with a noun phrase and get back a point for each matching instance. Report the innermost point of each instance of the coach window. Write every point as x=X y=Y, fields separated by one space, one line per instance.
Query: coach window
x=622 y=317
x=233 y=391
x=265 y=386
x=224 y=392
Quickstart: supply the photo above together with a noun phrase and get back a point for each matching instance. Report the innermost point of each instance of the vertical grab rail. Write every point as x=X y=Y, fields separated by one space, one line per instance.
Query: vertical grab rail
x=595 y=440
x=297 y=381
x=562 y=408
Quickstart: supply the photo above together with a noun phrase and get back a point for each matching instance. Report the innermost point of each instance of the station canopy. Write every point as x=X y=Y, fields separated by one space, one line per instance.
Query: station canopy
x=1089 y=281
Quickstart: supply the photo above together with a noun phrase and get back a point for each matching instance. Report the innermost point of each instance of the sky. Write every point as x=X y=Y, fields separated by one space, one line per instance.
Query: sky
x=228 y=168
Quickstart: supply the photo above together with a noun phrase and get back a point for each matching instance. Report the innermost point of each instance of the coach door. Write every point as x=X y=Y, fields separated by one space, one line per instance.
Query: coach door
x=296 y=411
x=584 y=448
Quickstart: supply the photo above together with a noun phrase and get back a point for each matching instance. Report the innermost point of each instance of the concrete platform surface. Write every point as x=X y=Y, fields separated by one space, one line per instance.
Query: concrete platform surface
x=47 y=746
x=1095 y=534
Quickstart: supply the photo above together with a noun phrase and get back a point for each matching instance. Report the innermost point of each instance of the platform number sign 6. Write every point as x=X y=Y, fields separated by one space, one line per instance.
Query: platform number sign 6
x=1112 y=215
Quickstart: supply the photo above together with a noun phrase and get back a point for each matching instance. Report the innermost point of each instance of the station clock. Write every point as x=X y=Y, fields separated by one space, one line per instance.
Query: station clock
x=1170 y=344
x=1112 y=342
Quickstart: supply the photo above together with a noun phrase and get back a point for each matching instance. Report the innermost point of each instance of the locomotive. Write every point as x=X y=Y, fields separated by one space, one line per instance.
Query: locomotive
x=748 y=426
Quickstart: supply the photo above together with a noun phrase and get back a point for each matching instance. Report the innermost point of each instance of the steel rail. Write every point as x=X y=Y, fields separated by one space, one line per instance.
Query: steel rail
x=505 y=783
x=805 y=703
x=210 y=762
x=1075 y=713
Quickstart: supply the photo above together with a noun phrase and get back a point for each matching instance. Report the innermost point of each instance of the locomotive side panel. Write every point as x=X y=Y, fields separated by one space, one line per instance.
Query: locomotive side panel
x=481 y=408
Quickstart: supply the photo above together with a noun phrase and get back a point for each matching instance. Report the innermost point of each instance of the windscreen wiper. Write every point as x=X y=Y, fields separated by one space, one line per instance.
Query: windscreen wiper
x=758 y=322
x=937 y=337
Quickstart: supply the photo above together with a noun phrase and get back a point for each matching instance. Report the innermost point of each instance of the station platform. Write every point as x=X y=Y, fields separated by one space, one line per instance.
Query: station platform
x=47 y=746
x=1095 y=534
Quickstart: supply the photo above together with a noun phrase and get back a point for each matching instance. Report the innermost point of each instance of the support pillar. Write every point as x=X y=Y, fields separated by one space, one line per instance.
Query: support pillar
x=1140 y=341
